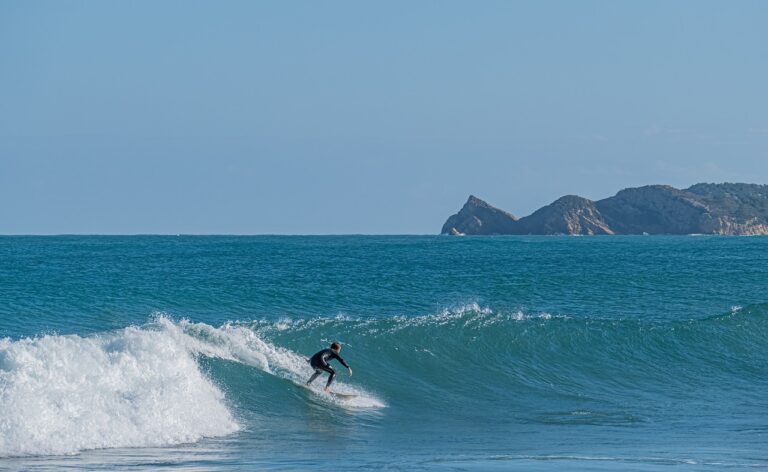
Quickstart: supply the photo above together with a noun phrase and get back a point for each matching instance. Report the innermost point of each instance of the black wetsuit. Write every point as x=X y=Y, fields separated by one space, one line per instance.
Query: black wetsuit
x=319 y=362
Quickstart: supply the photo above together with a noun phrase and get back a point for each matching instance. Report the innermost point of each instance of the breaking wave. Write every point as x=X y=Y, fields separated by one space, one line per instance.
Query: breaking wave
x=146 y=386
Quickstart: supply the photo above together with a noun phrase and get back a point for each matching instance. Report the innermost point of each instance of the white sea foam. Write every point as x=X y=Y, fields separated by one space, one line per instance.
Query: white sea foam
x=131 y=388
x=470 y=315
x=136 y=387
x=466 y=312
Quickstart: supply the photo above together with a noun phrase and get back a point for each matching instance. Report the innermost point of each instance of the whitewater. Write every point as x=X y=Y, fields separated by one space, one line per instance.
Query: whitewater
x=487 y=353
x=137 y=387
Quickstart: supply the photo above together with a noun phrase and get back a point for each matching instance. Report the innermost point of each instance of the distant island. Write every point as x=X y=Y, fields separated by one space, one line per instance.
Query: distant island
x=725 y=209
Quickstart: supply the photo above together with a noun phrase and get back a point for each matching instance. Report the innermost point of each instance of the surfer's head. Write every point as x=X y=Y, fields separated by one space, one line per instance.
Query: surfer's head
x=336 y=347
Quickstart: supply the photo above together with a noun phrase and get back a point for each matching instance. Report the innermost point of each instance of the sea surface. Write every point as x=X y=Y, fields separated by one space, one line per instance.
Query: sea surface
x=473 y=353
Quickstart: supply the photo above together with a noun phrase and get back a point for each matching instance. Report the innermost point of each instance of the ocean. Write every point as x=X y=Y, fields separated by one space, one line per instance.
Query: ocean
x=469 y=353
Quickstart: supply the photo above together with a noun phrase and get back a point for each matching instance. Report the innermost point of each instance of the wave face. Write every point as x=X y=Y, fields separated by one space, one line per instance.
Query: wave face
x=475 y=354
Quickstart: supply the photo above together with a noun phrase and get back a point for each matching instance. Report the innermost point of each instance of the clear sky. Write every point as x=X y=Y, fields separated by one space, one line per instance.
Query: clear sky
x=365 y=117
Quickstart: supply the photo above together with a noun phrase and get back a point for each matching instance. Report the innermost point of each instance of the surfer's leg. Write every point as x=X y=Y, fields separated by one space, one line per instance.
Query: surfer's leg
x=314 y=376
x=331 y=377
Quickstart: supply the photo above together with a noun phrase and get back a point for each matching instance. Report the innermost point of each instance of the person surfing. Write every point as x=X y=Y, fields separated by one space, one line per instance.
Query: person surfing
x=319 y=362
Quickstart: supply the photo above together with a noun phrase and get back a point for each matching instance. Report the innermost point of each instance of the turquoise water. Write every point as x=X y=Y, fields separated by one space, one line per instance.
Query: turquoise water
x=475 y=353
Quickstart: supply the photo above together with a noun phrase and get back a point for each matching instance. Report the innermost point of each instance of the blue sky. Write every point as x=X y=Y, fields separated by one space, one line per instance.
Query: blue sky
x=363 y=117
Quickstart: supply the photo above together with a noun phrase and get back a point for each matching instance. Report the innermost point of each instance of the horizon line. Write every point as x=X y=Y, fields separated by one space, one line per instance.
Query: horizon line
x=246 y=235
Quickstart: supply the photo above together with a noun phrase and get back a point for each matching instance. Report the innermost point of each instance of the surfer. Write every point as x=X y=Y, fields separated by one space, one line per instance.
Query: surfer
x=319 y=362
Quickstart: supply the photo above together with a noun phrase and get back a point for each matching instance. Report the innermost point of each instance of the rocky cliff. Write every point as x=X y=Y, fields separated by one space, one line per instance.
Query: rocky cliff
x=567 y=215
x=727 y=209
x=478 y=217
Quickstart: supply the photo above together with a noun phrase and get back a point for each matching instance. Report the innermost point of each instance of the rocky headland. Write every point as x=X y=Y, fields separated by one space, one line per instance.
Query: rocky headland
x=726 y=209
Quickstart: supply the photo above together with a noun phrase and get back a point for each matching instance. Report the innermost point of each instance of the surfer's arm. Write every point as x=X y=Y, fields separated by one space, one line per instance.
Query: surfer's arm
x=343 y=362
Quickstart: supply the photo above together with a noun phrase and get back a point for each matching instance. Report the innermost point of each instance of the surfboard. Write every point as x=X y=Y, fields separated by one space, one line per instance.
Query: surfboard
x=343 y=396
